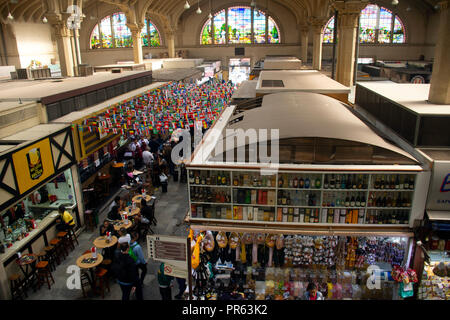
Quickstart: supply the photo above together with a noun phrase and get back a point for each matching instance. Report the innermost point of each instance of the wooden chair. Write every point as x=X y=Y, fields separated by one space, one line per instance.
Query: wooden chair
x=59 y=250
x=103 y=281
x=52 y=257
x=44 y=274
x=89 y=220
x=85 y=281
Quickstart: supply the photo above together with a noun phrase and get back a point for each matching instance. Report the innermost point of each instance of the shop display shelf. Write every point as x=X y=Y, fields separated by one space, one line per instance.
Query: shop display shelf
x=351 y=208
x=294 y=206
x=251 y=187
x=213 y=203
x=344 y=190
x=389 y=208
x=392 y=190
x=254 y=205
x=209 y=186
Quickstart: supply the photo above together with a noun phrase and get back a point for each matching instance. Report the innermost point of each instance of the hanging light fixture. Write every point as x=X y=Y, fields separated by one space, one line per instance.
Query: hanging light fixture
x=187 y=5
x=210 y=14
x=44 y=20
x=394 y=2
x=252 y=4
x=199 y=11
x=10 y=16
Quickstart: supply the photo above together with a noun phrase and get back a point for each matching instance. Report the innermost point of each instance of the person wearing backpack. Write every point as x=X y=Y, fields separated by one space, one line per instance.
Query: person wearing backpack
x=165 y=284
x=136 y=249
x=126 y=272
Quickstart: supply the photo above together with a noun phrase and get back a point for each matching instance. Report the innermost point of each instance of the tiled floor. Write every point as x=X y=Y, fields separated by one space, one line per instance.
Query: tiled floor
x=171 y=208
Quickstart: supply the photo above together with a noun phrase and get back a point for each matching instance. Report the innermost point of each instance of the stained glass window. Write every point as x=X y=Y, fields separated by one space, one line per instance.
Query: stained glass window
x=95 y=38
x=328 y=31
x=239 y=25
x=113 y=32
x=399 y=31
x=206 y=33
x=368 y=24
x=237 y=21
x=375 y=26
x=220 y=28
x=122 y=34
x=273 y=32
x=259 y=26
x=385 y=26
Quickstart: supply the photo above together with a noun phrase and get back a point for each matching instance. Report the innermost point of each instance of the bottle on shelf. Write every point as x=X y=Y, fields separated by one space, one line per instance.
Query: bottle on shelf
x=219 y=179
x=354 y=182
x=191 y=177
x=203 y=181
x=382 y=183
x=295 y=183
x=392 y=184
x=307 y=215
x=301 y=218
x=318 y=183
x=411 y=183
x=360 y=216
x=342 y=216
x=352 y=201
x=377 y=182
x=397 y=182
x=307 y=183
x=343 y=182
x=358 y=201
x=360 y=182
x=197 y=178
x=325 y=182
x=338 y=181
x=363 y=200
x=332 y=182
x=280 y=181
x=301 y=183
x=347 y=200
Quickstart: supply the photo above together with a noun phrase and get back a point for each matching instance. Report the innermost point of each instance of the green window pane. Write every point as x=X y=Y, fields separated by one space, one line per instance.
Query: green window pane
x=368 y=23
x=95 y=38
x=239 y=24
x=106 y=33
x=399 y=31
x=384 y=26
x=205 y=37
x=274 y=32
x=328 y=31
x=122 y=34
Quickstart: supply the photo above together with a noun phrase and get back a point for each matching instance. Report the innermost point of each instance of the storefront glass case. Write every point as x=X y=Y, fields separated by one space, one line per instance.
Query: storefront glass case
x=383 y=198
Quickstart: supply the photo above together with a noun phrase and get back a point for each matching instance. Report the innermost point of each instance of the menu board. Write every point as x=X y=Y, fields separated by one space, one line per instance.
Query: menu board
x=168 y=249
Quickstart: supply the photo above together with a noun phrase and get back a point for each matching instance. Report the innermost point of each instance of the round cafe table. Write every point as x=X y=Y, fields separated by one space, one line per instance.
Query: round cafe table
x=100 y=242
x=27 y=264
x=133 y=211
x=90 y=266
x=139 y=197
x=117 y=227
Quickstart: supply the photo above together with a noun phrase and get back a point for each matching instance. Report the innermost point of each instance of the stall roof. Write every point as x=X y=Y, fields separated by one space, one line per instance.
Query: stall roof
x=37 y=89
x=438 y=215
x=409 y=95
x=299 y=115
x=175 y=74
x=282 y=63
x=299 y=81
x=76 y=115
x=246 y=90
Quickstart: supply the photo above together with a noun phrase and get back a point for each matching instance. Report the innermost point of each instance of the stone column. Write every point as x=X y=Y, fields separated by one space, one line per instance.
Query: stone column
x=137 y=45
x=171 y=43
x=440 y=80
x=304 y=31
x=63 y=41
x=317 y=25
x=347 y=31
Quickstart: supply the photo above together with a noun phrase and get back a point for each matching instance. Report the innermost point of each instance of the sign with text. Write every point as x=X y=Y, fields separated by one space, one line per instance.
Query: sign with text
x=439 y=194
x=174 y=271
x=33 y=164
x=169 y=249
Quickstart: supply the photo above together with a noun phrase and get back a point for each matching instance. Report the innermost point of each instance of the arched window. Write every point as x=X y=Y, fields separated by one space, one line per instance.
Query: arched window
x=112 y=32
x=376 y=25
x=240 y=24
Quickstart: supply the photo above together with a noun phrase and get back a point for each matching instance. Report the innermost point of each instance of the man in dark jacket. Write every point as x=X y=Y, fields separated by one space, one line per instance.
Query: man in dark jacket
x=126 y=273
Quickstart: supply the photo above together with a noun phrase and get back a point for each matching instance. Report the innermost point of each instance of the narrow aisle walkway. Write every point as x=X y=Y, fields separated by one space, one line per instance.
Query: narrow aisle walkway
x=170 y=210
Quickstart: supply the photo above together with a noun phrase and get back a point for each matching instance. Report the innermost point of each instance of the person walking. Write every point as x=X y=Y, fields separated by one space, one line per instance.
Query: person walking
x=181 y=287
x=127 y=273
x=165 y=283
x=141 y=264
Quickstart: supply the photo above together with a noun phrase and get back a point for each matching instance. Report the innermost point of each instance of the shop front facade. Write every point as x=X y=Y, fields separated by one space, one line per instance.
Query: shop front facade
x=333 y=212
x=37 y=177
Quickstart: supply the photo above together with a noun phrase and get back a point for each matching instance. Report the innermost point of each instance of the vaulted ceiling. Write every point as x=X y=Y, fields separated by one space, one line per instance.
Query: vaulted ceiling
x=171 y=10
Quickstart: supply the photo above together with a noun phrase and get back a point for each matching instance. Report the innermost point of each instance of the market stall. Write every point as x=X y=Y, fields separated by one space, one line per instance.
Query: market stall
x=335 y=181
x=39 y=175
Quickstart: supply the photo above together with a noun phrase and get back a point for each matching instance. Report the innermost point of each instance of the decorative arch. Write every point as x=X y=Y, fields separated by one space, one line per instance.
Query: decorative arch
x=240 y=24
x=112 y=32
x=376 y=25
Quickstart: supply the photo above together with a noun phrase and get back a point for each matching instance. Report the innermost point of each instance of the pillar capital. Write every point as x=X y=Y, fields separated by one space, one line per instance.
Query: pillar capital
x=349 y=12
x=317 y=24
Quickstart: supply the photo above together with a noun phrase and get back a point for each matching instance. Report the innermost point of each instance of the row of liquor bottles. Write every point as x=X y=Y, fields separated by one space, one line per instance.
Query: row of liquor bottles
x=301 y=215
x=311 y=181
x=310 y=199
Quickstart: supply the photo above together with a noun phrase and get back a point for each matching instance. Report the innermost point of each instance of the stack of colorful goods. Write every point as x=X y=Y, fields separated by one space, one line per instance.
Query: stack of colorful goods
x=274 y=266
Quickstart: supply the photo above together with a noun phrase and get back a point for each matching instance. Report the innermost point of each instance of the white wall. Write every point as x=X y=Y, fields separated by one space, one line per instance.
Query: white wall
x=34 y=42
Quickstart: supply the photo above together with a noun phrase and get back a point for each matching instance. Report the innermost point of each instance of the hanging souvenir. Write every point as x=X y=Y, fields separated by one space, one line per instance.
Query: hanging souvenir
x=270 y=242
x=235 y=244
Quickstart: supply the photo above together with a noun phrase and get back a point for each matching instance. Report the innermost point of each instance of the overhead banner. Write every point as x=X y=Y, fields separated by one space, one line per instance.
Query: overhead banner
x=33 y=164
x=439 y=195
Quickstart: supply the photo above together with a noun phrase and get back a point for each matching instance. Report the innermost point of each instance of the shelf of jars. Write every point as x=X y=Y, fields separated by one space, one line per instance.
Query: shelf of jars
x=302 y=197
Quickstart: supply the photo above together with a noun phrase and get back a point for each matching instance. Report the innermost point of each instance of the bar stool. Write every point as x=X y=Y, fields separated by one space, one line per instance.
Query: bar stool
x=89 y=220
x=44 y=274
x=103 y=281
x=65 y=242
x=52 y=257
x=59 y=250
x=41 y=256
x=85 y=281
x=17 y=287
x=73 y=236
